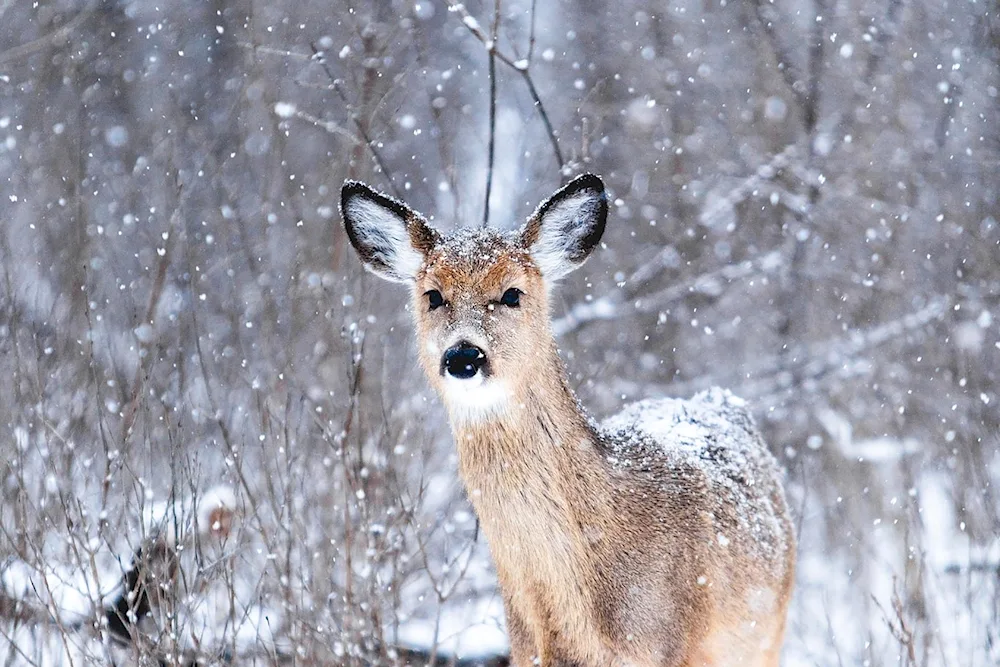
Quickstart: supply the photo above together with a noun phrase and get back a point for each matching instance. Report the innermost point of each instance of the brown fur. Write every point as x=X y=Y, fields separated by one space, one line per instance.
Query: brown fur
x=598 y=565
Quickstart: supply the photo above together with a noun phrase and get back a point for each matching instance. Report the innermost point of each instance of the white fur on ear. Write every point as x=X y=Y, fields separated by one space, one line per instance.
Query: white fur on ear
x=384 y=233
x=390 y=237
x=566 y=228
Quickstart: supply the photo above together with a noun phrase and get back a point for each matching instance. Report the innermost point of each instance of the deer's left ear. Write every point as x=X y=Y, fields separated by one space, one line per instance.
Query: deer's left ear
x=391 y=238
x=566 y=228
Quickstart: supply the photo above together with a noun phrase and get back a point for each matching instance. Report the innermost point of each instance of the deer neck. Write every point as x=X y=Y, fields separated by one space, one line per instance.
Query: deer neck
x=539 y=447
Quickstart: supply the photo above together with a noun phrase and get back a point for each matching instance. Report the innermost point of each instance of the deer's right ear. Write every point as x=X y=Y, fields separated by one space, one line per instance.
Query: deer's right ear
x=391 y=238
x=566 y=228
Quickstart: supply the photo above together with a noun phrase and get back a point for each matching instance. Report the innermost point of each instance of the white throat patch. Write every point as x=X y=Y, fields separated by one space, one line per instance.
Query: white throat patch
x=475 y=399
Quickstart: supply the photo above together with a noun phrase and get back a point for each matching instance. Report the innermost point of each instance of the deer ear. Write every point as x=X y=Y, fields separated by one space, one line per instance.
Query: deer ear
x=391 y=238
x=566 y=228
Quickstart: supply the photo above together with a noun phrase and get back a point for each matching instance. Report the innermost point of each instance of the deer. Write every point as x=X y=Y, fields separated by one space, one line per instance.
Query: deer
x=658 y=537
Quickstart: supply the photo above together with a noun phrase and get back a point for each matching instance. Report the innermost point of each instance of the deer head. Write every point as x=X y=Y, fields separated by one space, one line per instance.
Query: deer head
x=479 y=296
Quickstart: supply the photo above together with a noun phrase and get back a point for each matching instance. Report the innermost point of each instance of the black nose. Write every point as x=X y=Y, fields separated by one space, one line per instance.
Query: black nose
x=463 y=361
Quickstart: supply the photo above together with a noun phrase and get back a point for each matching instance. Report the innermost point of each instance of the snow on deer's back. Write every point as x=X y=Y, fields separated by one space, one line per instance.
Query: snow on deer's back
x=709 y=448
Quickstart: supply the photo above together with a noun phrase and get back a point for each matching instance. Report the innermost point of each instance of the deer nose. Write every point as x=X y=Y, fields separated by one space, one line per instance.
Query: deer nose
x=463 y=360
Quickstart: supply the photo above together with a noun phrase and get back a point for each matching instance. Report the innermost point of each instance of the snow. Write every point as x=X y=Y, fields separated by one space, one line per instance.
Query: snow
x=285 y=109
x=469 y=631
x=710 y=437
x=67 y=594
x=471 y=23
x=841 y=248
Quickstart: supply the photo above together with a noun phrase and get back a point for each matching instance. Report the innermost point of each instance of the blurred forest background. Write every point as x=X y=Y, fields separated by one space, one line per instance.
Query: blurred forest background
x=210 y=413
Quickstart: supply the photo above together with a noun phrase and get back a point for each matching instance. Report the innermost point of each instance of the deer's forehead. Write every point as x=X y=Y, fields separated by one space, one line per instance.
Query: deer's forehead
x=483 y=259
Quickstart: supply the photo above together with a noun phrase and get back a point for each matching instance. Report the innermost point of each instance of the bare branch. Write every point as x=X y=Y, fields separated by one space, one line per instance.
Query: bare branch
x=320 y=57
x=492 y=49
x=337 y=85
x=711 y=283
x=881 y=43
x=326 y=125
x=523 y=67
x=789 y=369
x=790 y=74
x=817 y=50
x=531 y=32
x=57 y=35
x=553 y=140
x=739 y=193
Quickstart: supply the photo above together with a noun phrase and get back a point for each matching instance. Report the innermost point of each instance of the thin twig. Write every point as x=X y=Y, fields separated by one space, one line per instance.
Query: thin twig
x=522 y=67
x=816 y=62
x=531 y=33
x=149 y=320
x=544 y=116
x=786 y=66
x=900 y=630
x=491 y=153
x=525 y=70
x=710 y=283
x=320 y=57
x=951 y=103
x=17 y=52
x=326 y=125
x=885 y=34
x=811 y=362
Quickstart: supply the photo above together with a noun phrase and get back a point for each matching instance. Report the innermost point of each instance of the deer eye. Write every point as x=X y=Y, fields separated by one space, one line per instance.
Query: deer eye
x=512 y=298
x=434 y=299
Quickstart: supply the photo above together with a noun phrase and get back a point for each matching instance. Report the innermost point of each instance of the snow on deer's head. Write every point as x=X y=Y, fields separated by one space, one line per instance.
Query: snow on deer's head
x=479 y=296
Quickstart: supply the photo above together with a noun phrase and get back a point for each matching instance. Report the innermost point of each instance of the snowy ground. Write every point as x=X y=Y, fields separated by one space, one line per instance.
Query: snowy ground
x=862 y=576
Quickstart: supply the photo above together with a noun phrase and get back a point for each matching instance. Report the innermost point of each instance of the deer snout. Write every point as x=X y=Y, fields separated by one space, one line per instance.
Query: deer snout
x=464 y=360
